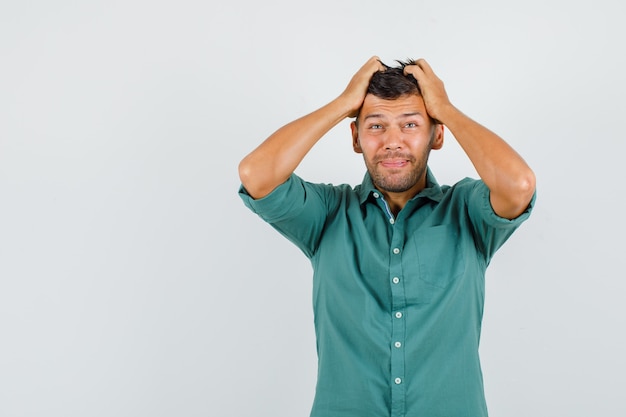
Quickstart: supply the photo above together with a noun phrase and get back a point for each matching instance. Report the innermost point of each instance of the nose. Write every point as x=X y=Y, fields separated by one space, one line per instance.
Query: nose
x=393 y=139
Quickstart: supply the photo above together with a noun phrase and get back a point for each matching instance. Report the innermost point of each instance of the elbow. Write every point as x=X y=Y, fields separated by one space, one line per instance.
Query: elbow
x=526 y=186
x=244 y=171
x=254 y=178
x=515 y=196
x=523 y=191
x=247 y=176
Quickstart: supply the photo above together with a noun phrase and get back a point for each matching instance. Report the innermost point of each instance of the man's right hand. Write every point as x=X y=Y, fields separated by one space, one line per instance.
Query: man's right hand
x=355 y=92
x=274 y=160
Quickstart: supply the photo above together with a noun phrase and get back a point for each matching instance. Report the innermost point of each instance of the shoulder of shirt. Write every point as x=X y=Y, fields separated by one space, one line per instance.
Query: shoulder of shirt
x=466 y=182
x=344 y=187
x=461 y=187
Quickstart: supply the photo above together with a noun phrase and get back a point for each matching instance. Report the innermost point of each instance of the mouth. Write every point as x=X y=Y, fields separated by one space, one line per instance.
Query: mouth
x=394 y=163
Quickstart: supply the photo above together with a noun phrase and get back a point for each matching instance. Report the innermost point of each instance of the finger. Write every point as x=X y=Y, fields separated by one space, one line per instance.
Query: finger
x=415 y=70
x=426 y=68
x=377 y=64
x=423 y=64
x=372 y=65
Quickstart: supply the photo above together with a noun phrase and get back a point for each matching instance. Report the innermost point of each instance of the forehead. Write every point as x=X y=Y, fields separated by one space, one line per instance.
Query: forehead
x=403 y=105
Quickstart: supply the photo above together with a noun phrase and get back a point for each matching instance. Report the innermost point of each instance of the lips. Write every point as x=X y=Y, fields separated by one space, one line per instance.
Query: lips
x=394 y=163
x=393 y=157
x=394 y=160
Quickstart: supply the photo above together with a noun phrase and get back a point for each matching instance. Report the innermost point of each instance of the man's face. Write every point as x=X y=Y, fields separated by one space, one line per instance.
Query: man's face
x=395 y=138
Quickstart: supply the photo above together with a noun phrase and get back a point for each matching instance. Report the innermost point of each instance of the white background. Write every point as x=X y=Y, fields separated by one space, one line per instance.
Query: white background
x=133 y=281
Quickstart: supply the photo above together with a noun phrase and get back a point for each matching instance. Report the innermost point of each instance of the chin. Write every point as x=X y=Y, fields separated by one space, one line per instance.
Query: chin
x=395 y=187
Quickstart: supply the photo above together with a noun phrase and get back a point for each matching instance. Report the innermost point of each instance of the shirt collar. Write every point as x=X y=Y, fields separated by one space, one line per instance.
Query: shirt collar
x=432 y=190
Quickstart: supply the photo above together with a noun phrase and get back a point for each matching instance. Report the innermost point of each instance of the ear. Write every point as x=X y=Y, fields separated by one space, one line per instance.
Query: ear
x=438 y=140
x=355 y=138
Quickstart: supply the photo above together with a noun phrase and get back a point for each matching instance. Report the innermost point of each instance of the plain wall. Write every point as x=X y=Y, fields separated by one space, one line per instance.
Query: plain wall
x=133 y=281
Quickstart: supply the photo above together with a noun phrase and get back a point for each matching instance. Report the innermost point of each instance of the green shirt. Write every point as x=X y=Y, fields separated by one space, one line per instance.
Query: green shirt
x=398 y=302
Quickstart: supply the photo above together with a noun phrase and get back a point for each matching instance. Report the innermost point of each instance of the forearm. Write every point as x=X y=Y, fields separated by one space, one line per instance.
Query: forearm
x=271 y=164
x=510 y=180
x=275 y=160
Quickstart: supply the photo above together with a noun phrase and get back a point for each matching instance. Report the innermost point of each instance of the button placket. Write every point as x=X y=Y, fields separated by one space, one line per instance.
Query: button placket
x=398 y=319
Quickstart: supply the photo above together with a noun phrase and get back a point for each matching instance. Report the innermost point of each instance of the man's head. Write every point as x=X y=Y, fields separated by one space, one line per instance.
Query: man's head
x=395 y=133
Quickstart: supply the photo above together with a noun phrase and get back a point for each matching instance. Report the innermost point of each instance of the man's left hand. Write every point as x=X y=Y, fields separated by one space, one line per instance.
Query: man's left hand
x=432 y=88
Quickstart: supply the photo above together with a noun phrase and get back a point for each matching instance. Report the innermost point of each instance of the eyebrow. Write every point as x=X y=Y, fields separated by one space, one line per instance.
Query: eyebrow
x=417 y=113
x=402 y=116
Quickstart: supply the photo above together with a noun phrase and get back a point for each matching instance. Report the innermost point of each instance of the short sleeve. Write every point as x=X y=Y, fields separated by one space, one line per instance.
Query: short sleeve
x=297 y=209
x=283 y=202
x=490 y=230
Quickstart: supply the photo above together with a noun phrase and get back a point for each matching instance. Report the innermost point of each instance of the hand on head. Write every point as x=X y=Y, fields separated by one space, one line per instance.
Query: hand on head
x=356 y=90
x=431 y=87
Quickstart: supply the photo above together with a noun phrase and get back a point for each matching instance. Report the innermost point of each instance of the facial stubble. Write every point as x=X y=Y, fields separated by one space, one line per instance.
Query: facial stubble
x=395 y=182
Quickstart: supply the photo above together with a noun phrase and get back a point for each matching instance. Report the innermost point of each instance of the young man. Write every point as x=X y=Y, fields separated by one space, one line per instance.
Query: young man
x=399 y=261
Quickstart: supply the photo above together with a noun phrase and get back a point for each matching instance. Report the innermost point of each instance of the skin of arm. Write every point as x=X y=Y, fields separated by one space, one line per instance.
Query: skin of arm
x=272 y=162
x=510 y=180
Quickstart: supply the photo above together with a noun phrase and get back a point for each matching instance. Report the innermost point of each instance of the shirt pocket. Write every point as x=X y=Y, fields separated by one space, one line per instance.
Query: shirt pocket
x=439 y=255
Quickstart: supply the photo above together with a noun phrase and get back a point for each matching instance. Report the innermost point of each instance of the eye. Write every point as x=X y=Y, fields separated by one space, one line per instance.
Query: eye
x=376 y=126
x=411 y=125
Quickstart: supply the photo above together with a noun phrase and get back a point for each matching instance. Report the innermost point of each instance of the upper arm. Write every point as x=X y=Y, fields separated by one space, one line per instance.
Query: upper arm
x=255 y=184
x=516 y=198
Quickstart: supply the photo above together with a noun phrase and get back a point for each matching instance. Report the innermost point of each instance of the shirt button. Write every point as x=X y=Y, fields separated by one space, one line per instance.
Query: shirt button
x=398 y=345
x=396 y=251
x=376 y=195
x=398 y=381
x=398 y=315
x=395 y=280
x=392 y=221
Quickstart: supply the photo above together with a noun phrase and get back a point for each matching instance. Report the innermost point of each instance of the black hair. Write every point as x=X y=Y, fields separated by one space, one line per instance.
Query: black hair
x=393 y=82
